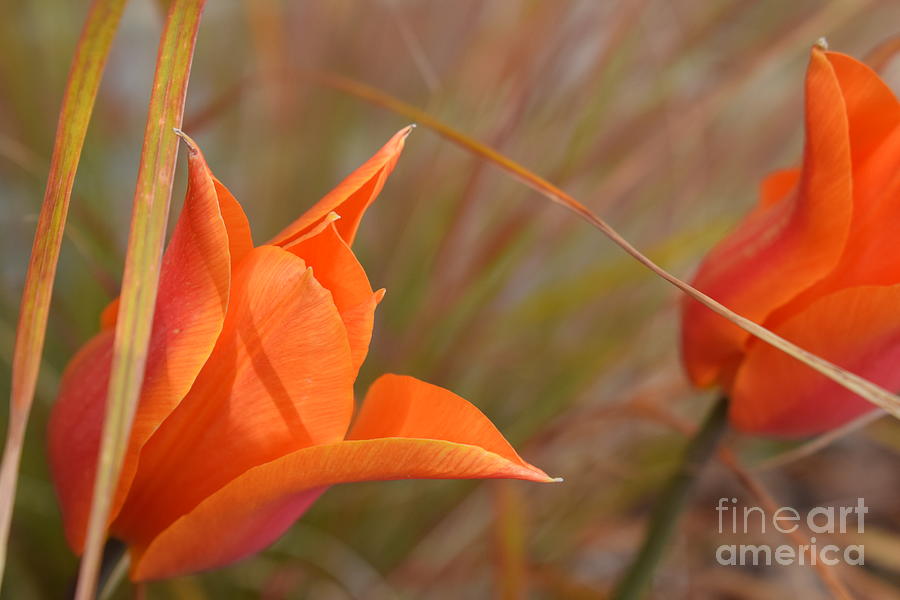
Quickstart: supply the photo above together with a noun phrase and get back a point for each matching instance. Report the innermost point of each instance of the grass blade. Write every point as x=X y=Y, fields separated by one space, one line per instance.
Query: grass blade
x=818 y=443
x=671 y=502
x=827 y=573
x=875 y=394
x=74 y=115
x=142 y=263
x=881 y=55
x=511 y=559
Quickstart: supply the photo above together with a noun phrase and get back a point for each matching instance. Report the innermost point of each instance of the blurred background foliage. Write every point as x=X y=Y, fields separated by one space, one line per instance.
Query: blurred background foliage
x=661 y=116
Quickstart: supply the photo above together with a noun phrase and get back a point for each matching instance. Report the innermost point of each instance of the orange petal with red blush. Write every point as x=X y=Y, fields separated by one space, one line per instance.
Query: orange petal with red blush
x=240 y=240
x=74 y=433
x=869 y=256
x=280 y=378
x=193 y=296
x=335 y=267
x=856 y=328
x=442 y=437
x=352 y=196
x=779 y=251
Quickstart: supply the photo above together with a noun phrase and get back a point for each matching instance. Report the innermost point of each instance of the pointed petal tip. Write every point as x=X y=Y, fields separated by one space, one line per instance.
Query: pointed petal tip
x=821 y=44
x=193 y=148
x=401 y=135
x=352 y=196
x=543 y=477
x=529 y=472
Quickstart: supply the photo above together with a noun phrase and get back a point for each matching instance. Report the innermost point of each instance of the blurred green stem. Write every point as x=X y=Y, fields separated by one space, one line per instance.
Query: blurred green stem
x=671 y=502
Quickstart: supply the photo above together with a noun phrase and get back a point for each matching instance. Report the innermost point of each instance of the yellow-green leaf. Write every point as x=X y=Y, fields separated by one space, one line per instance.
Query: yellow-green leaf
x=80 y=93
x=142 y=263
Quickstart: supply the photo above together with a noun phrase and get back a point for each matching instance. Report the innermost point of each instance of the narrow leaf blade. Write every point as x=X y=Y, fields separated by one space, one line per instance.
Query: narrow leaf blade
x=79 y=96
x=142 y=264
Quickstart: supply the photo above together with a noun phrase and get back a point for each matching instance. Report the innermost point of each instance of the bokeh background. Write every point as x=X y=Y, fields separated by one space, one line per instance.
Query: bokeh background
x=661 y=116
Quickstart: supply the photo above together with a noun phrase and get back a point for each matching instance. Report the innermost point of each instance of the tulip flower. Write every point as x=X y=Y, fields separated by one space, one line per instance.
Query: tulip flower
x=816 y=262
x=246 y=406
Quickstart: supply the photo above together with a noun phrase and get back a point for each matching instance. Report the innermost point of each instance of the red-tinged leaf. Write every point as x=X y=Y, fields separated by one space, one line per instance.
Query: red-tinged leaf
x=142 y=267
x=77 y=105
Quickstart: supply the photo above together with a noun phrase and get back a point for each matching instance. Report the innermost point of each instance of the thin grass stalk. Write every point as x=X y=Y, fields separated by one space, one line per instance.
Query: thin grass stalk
x=817 y=443
x=872 y=392
x=881 y=55
x=671 y=502
x=827 y=573
x=510 y=560
x=78 y=100
x=142 y=264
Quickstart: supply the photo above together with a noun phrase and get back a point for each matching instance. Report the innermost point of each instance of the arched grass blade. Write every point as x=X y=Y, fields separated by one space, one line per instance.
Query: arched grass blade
x=818 y=443
x=875 y=394
x=881 y=55
x=142 y=264
x=74 y=115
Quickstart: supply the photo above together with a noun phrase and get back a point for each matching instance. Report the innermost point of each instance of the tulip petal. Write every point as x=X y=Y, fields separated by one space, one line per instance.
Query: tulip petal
x=777 y=186
x=856 y=328
x=872 y=109
x=240 y=240
x=110 y=314
x=403 y=406
x=190 y=309
x=252 y=511
x=869 y=256
x=74 y=433
x=336 y=267
x=777 y=252
x=352 y=196
x=280 y=378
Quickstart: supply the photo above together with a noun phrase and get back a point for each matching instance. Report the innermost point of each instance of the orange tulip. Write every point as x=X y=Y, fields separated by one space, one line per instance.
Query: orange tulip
x=248 y=393
x=816 y=262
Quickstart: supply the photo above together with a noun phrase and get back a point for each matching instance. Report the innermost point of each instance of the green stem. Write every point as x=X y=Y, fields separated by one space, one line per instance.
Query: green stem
x=671 y=502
